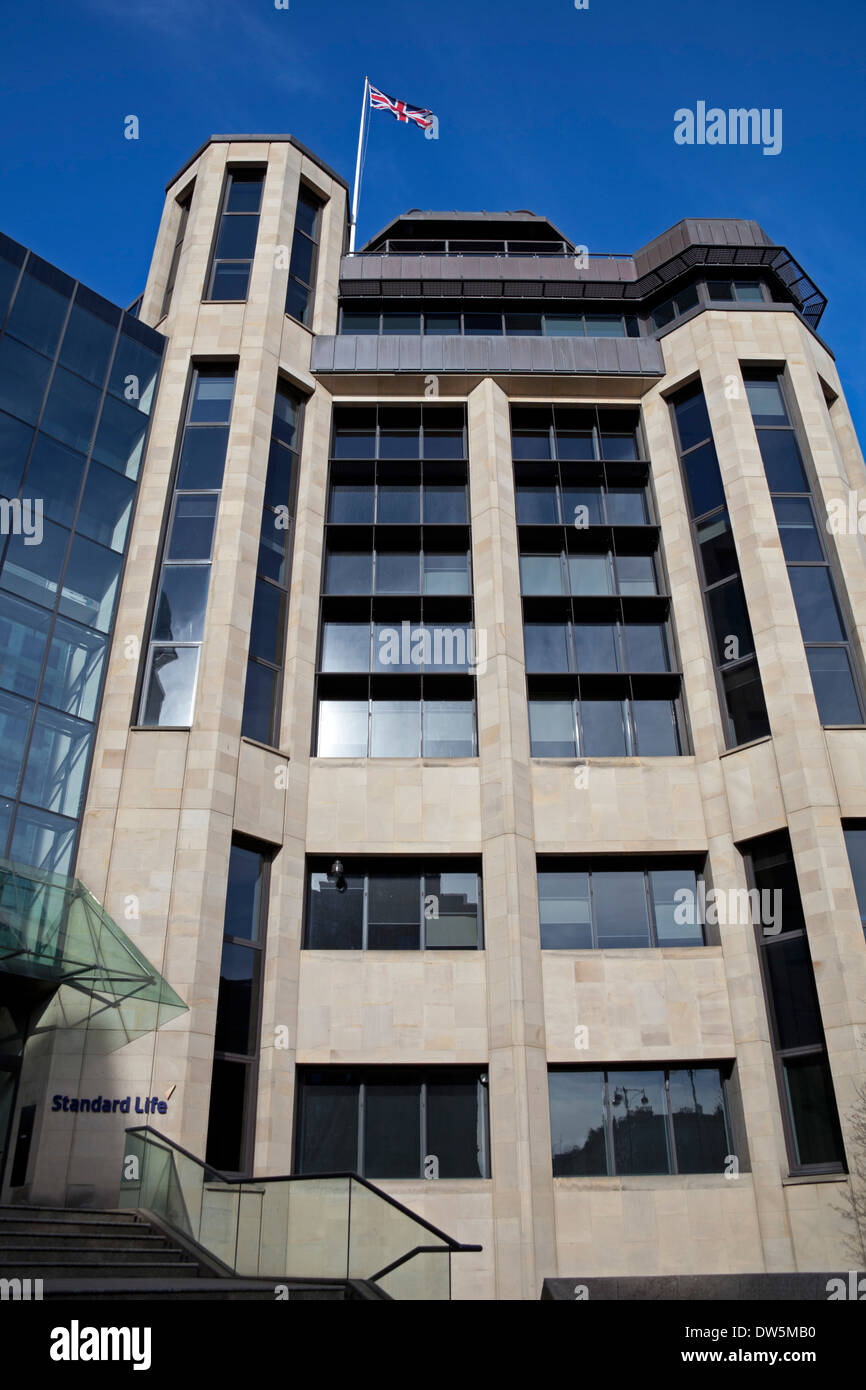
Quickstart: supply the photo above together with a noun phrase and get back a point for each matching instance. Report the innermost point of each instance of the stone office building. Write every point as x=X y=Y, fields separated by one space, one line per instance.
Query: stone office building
x=474 y=759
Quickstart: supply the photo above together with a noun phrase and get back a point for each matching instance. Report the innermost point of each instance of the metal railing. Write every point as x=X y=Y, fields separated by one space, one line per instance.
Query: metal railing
x=452 y=247
x=337 y=1226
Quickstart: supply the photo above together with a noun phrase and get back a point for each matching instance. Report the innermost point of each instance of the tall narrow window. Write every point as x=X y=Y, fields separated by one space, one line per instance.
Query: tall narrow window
x=236 y=238
x=177 y=627
x=741 y=693
x=397 y=650
x=825 y=634
x=231 y=1124
x=809 y=1112
x=855 y=843
x=184 y=203
x=301 y=292
x=261 y=717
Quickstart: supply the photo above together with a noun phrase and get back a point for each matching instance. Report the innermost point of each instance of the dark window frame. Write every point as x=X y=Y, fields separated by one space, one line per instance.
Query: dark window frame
x=590 y=864
x=697 y=520
x=198 y=368
x=858 y=826
x=630 y=695
x=424 y=1076
x=724 y=1071
x=368 y=868
x=183 y=204
x=251 y=1061
x=781 y=1054
x=419 y=608
x=284 y=589
x=829 y=563
x=316 y=201
x=214 y=262
x=547 y=327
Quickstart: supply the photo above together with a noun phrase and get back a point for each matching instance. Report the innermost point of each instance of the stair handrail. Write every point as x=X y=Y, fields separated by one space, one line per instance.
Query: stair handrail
x=211 y=1177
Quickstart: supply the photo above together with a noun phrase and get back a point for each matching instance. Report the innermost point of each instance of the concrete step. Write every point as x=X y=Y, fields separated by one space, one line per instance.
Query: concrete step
x=68 y=1216
x=85 y=1270
x=137 y=1290
x=114 y=1252
x=84 y=1238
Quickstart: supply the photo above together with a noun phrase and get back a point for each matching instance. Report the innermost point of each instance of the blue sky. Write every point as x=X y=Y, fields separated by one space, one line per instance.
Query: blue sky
x=541 y=106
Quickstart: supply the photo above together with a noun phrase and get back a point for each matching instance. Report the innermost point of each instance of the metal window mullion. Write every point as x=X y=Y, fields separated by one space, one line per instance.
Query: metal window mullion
x=608 y=1122
x=673 y=1157
x=365 y=910
x=362 y=1120
x=650 y=908
x=423 y=1136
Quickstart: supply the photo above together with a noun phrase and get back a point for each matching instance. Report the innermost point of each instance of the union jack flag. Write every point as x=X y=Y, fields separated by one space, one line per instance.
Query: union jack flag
x=401 y=109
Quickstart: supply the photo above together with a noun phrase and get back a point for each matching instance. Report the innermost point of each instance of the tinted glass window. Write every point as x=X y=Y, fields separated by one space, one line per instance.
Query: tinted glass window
x=551 y=728
x=797 y=531
x=620 y=908
x=329 y=1127
x=244 y=893
x=816 y=604
x=698 y=1112
x=577 y=1124
x=782 y=463
x=336 y=914
x=640 y=1133
x=704 y=479
x=171 y=686
x=693 y=421
x=833 y=683
x=602 y=729
x=343 y=728
x=655 y=728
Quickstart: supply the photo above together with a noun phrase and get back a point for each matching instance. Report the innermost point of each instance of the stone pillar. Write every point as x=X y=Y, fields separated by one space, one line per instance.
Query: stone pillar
x=519 y=1122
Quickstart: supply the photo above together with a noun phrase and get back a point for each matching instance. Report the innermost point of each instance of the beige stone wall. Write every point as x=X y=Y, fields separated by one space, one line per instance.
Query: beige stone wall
x=163 y=805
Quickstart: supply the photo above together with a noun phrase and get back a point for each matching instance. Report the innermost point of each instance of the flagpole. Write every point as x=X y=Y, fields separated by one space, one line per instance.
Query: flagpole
x=357 y=189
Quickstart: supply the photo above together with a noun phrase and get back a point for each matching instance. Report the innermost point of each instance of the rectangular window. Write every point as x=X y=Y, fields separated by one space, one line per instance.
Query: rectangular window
x=393 y=906
x=638 y=1122
x=741 y=696
x=261 y=713
x=602 y=675
x=393 y=1122
x=829 y=653
x=855 y=843
x=809 y=1113
x=409 y=728
x=301 y=291
x=231 y=1123
x=184 y=203
x=235 y=245
x=593 y=904
x=533 y=322
x=674 y=308
x=397 y=651
x=597 y=727
x=736 y=291
x=177 y=626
